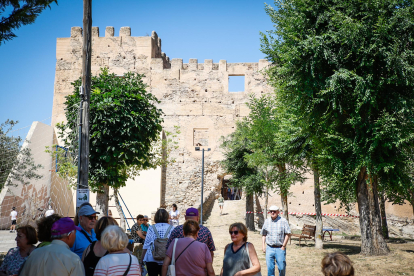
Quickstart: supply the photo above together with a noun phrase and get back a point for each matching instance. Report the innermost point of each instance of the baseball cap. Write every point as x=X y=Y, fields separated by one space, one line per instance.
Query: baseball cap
x=274 y=208
x=63 y=226
x=87 y=210
x=191 y=212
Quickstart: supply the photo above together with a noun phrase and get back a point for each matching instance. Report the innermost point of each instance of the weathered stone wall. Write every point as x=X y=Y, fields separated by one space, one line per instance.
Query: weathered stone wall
x=194 y=96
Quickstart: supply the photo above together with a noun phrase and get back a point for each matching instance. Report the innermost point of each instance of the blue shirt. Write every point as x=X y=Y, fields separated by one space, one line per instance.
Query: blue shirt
x=82 y=242
x=145 y=228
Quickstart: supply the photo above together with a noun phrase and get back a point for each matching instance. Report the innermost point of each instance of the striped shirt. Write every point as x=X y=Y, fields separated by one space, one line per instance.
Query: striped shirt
x=275 y=231
x=116 y=265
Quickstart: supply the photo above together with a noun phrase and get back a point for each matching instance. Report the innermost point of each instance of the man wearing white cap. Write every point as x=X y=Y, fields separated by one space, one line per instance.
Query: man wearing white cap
x=86 y=235
x=275 y=236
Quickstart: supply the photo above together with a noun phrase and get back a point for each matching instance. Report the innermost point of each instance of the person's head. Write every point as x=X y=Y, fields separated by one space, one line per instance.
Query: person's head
x=50 y=207
x=101 y=225
x=274 y=211
x=110 y=213
x=238 y=232
x=14 y=208
x=140 y=219
x=145 y=220
x=191 y=214
x=114 y=239
x=87 y=217
x=76 y=219
x=44 y=227
x=161 y=216
x=174 y=207
x=26 y=236
x=64 y=229
x=337 y=264
x=191 y=228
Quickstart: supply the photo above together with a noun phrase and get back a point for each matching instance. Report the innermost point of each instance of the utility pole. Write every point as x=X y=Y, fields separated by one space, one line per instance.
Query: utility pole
x=85 y=91
x=202 y=182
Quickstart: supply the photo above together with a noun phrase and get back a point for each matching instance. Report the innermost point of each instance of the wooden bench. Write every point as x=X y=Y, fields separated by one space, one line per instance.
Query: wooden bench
x=308 y=232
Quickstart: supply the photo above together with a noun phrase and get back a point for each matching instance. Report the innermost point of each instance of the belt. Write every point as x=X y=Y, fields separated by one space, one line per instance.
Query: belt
x=274 y=246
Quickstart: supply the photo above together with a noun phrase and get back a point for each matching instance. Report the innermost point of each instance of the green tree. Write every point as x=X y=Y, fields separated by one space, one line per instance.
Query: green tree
x=23 y=13
x=124 y=127
x=236 y=147
x=267 y=132
x=16 y=162
x=346 y=68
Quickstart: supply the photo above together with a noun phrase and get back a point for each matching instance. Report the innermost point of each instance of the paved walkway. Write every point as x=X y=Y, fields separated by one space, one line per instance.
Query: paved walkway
x=7 y=240
x=234 y=211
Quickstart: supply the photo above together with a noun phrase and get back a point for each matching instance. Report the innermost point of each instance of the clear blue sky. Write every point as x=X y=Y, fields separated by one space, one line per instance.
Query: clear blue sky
x=211 y=29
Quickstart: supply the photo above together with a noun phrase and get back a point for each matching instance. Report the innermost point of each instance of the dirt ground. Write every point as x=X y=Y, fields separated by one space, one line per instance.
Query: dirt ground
x=305 y=259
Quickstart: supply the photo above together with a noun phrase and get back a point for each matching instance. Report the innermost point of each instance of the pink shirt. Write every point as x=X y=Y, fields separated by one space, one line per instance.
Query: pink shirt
x=194 y=260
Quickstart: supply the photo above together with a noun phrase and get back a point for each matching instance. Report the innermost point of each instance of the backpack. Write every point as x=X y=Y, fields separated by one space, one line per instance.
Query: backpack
x=159 y=246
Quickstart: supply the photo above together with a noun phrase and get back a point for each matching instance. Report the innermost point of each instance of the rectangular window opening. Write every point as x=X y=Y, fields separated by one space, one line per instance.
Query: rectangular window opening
x=236 y=83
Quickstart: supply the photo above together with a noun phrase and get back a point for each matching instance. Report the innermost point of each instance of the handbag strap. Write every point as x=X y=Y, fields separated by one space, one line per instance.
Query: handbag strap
x=183 y=251
x=86 y=235
x=129 y=266
x=173 y=255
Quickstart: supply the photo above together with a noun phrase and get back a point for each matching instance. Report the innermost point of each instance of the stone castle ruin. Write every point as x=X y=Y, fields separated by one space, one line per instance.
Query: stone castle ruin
x=194 y=97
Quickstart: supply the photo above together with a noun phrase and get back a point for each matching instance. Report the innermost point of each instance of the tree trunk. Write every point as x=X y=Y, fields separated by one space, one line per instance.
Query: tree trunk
x=372 y=241
x=411 y=191
x=259 y=211
x=318 y=210
x=250 y=212
x=283 y=195
x=285 y=208
x=102 y=199
x=383 y=216
x=266 y=201
x=122 y=223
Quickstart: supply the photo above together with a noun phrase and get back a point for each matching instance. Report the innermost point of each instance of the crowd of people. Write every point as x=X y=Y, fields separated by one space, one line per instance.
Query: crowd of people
x=87 y=246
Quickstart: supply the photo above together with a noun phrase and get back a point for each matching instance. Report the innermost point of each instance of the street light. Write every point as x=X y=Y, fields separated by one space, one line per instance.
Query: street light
x=202 y=180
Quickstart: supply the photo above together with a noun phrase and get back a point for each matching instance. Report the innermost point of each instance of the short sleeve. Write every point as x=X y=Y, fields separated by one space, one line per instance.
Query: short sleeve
x=149 y=238
x=263 y=232
x=175 y=233
x=210 y=242
x=207 y=254
x=287 y=227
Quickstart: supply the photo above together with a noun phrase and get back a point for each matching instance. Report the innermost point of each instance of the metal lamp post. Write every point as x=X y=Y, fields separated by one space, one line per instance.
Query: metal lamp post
x=202 y=180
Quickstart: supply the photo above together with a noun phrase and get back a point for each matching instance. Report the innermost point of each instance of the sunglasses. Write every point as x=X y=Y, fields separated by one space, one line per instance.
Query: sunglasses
x=90 y=217
x=273 y=212
x=145 y=220
x=234 y=232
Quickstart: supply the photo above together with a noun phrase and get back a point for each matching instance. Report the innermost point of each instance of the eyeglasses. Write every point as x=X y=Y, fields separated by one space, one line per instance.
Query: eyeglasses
x=234 y=232
x=91 y=217
x=273 y=212
x=145 y=219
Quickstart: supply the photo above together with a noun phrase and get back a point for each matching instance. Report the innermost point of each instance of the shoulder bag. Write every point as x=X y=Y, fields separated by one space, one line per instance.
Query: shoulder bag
x=129 y=266
x=171 y=267
x=250 y=260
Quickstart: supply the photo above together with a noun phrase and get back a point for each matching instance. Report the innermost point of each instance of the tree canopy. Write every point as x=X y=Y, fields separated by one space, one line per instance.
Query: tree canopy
x=22 y=13
x=346 y=69
x=124 y=124
x=16 y=163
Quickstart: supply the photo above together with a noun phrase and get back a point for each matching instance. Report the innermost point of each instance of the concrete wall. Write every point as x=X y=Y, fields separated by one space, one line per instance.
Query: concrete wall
x=38 y=193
